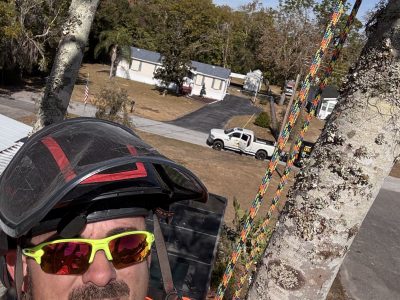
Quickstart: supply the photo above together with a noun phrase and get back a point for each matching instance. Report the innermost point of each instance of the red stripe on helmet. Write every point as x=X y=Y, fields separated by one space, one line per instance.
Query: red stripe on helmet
x=138 y=173
x=60 y=157
x=132 y=150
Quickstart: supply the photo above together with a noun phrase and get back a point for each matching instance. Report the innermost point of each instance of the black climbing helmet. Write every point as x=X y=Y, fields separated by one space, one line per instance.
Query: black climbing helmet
x=90 y=169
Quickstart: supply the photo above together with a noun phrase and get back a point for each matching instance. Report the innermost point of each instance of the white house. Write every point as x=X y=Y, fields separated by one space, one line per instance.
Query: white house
x=215 y=80
x=329 y=98
x=142 y=66
x=144 y=63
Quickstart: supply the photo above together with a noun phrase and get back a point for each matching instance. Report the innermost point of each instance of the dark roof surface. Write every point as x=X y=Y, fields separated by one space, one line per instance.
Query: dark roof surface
x=146 y=55
x=155 y=57
x=330 y=91
x=211 y=70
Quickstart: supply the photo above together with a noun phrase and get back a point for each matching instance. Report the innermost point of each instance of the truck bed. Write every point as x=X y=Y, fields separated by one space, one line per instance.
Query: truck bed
x=265 y=142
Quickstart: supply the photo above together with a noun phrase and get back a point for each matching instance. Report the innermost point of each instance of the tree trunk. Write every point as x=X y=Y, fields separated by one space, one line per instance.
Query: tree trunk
x=113 y=58
x=59 y=86
x=274 y=123
x=289 y=106
x=283 y=97
x=349 y=163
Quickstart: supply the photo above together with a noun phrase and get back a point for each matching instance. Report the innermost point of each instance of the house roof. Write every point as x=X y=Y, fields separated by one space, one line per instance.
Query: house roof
x=211 y=70
x=11 y=132
x=7 y=154
x=329 y=91
x=155 y=57
x=146 y=55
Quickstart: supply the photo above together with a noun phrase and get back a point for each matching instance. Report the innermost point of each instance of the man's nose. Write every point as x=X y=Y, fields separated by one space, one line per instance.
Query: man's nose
x=101 y=271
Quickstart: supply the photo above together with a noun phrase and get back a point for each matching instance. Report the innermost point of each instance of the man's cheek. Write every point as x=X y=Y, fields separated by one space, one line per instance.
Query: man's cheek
x=48 y=286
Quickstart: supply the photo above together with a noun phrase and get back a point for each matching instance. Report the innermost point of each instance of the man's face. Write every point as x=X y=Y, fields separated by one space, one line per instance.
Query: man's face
x=101 y=280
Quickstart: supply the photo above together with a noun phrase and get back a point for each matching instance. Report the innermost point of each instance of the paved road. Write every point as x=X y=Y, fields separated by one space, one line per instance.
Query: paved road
x=155 y=127
x=216 y=115
x=15 y=109
x=371 y=269
x=22 y=105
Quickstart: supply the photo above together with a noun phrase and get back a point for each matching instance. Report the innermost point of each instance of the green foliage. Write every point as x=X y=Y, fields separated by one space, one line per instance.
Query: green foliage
x=112 y=104
x=9 y=28
x=30 y=31
x=175 y=60
x=277 y=41
x=262 y=120
x=119 y=36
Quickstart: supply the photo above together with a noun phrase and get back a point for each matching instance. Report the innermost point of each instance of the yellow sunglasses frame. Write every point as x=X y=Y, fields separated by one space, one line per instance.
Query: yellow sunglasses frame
x=97 y=244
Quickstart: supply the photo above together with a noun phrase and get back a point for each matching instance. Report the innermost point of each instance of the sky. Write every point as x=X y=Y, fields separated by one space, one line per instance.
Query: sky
x=365 y=6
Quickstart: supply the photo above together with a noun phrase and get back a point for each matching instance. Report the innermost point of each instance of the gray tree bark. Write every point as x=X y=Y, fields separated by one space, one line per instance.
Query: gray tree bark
x=349 y=163
x=289 y=106
x=283 y=97
x=60 y=84
x=113 y=58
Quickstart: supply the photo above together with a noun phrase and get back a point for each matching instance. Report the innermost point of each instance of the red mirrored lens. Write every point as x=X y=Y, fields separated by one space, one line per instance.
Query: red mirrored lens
x=66 y=258
x=128 y=250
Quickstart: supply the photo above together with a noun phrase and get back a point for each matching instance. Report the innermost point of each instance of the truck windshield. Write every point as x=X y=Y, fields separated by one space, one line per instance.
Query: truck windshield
x=227 y=131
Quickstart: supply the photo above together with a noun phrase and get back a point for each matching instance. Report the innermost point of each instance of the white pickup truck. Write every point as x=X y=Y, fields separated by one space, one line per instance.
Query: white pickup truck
x=240 y=140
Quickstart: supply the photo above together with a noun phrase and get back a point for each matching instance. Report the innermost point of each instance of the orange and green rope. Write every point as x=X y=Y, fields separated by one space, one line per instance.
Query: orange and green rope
x=282 y=140
x=262 y=232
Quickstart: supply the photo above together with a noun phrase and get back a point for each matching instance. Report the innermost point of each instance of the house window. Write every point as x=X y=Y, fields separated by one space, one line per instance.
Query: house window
x=136 y=65
x=331 y=106
x=199 y=80
x=217 y=84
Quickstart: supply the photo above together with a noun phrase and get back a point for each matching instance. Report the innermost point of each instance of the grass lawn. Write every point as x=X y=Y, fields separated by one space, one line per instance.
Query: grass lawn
x=223 y=172
x=149 y=103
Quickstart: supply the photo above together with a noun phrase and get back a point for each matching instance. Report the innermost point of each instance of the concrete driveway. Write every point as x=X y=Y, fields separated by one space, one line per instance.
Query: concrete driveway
x=215 y=115
x=371 y=269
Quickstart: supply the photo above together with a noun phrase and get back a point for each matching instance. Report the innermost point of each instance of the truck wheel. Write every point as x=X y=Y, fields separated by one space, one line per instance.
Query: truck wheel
x=261 y=155
x=218 y=145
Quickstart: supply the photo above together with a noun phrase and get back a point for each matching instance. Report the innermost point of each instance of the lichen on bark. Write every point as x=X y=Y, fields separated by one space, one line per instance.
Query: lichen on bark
x=336 y=188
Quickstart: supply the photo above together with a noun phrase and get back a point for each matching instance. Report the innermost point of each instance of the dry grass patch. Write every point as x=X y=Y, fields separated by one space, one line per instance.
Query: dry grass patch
x=277 y=90
x=149 y=103
x=224 y=173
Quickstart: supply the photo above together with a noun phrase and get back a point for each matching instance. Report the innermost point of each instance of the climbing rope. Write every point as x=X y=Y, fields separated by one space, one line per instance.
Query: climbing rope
x=264 y=230
x=338 y=11
x=280 y=145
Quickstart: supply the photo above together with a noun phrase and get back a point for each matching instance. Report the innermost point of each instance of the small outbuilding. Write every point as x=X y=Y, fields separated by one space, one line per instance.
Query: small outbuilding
x=253 y=81
x=329 y=98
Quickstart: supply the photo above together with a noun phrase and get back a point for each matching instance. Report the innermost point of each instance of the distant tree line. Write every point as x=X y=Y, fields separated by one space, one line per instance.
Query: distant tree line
x=278 y=41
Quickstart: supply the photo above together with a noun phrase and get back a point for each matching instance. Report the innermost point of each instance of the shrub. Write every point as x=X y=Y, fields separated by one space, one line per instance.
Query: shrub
x=262 y=120
x=263 y=101
x=112 y=104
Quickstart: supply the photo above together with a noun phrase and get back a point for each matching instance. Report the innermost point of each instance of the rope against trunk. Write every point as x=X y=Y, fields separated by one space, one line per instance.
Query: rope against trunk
x=338 y=11
x=262 y=233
